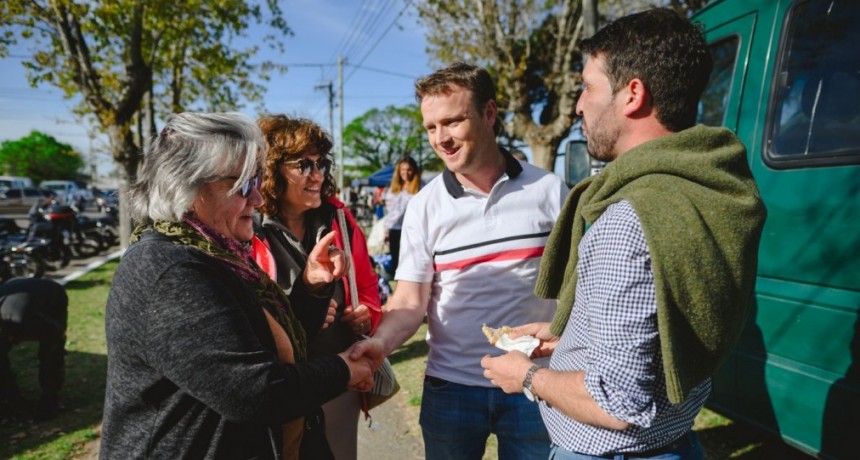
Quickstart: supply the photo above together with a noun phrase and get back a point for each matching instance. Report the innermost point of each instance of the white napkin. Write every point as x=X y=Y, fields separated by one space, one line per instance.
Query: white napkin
x=525 y=344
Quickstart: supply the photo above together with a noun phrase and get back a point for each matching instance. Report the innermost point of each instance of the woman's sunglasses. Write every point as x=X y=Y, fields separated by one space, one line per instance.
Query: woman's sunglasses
x=248 y=185
x=306 y=164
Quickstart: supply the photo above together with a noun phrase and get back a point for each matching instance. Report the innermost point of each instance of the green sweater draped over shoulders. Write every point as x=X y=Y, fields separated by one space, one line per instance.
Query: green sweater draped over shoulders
x=702 y=217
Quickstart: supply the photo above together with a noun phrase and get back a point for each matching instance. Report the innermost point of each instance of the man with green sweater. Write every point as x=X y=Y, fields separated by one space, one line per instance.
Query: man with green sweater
x=653 y=261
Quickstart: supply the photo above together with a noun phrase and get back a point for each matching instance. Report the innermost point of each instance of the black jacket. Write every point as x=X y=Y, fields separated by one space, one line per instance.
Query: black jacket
x=192 y=368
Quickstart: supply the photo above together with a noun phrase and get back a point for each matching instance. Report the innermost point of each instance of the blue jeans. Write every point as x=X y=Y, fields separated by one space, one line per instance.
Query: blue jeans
x=688 y=448
x=456 y=421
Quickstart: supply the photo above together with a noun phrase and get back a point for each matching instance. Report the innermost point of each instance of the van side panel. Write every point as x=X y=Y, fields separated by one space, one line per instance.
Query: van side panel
x=796 y=370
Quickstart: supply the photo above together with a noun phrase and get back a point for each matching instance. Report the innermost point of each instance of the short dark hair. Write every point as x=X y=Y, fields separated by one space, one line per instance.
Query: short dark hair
x=471 y=77
x=664 y=50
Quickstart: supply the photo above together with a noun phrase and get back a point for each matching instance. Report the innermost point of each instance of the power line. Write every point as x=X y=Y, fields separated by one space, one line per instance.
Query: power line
x=405 y=7
x=357 y=24
x=372 y=27
x=385 y=72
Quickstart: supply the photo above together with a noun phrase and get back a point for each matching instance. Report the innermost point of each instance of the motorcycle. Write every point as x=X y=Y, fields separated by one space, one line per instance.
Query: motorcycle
x=102 y=228
x=84 y=242
x=20 y=262
x=50 y=237
x=18 y=259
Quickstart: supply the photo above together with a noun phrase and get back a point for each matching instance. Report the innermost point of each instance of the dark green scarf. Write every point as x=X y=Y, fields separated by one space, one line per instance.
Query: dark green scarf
x=702 y=217
x=193 y=233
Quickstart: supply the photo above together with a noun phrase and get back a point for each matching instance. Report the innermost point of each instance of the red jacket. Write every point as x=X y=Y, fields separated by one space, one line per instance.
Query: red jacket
x=365 y=277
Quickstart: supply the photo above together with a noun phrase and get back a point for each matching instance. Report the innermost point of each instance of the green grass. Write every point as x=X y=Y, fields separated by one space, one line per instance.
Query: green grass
x=82 y=396
x=75 y=429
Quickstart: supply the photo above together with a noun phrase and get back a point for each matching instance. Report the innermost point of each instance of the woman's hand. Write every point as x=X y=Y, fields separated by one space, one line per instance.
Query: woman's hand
x=360 y=370
x=329 y=317
x=358 y=319
x=326 y=263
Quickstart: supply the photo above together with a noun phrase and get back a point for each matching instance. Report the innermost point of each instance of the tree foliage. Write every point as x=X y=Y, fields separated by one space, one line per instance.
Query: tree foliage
x=530 y=47
x=131 y=61
x=380 y=137
x=40 y=157
x=614 y=9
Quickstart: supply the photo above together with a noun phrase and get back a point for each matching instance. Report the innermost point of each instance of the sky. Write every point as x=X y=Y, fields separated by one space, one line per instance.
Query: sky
x=384 y=52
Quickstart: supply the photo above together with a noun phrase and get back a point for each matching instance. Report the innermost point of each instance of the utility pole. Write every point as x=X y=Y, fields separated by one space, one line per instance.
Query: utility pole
x=92 y=158
x=328 y=86
x=340 y=116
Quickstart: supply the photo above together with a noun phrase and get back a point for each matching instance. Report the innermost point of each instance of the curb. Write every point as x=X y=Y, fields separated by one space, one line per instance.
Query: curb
x=90 y=267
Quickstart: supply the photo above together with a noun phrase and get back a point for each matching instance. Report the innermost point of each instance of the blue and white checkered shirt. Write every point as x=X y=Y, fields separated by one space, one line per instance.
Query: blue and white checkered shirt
x=612 y=335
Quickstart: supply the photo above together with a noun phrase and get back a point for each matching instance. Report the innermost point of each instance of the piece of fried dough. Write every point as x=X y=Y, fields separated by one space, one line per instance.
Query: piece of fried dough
x=494 y=334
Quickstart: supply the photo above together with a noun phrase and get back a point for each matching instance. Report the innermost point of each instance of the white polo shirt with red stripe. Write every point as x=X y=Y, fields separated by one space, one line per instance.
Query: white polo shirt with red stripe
x=481 y=254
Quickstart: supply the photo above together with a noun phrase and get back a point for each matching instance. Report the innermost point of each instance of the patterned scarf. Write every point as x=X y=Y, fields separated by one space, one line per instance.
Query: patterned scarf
x=237 y=256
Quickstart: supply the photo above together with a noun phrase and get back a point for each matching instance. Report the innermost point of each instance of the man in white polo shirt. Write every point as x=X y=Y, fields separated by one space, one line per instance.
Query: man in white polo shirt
x=470 y=252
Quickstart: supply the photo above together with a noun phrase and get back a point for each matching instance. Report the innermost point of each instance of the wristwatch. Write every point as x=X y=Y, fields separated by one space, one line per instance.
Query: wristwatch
x=528 y=389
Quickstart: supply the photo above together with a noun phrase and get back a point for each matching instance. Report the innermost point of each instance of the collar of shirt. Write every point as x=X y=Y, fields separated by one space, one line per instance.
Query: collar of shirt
x=513 y=168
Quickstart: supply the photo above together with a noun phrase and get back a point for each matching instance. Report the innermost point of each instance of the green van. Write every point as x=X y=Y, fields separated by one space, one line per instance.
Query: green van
x=786 y=79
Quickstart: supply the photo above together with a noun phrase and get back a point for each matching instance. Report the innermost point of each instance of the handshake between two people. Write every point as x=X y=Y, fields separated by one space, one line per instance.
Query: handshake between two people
x=363 y=358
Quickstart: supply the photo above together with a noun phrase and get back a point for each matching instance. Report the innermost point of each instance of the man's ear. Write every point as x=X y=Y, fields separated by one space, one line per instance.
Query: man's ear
x=636 y=97
x=490 y=112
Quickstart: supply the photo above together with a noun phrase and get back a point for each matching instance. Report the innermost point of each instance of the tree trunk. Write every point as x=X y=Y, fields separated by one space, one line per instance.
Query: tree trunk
x=126 y=155
x=544 y=154
x=591 y=17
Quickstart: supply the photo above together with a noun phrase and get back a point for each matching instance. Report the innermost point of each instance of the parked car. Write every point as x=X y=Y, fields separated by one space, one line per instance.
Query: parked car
x=68 y=191
x=19 y=200
x=7 y=182
x=107 y=198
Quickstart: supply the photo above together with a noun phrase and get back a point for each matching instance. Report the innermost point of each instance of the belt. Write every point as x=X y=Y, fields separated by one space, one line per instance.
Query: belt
x=674 y=445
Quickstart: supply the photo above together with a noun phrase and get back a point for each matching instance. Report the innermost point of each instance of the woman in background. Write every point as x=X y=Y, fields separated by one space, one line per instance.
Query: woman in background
x=404 y=185
x=299 y=204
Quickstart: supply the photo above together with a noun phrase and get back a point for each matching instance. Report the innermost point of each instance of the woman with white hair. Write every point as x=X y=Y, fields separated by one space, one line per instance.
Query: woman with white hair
x=206 y=358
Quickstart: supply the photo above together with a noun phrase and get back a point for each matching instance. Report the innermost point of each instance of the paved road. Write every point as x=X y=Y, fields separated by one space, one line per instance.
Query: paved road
x=395 y=436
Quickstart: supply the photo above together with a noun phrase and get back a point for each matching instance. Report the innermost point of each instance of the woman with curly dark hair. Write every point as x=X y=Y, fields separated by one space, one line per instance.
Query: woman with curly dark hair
x=299 y=205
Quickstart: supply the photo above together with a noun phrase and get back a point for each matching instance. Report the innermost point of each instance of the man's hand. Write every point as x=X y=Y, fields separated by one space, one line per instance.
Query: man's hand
x=541 y=332
x=326 y=263
x=371 y=349
x=360 y=372
x=358 y=319
x=507 y=371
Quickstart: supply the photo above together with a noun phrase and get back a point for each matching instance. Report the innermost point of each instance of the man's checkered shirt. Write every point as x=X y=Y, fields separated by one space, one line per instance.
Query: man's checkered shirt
x=612 y=336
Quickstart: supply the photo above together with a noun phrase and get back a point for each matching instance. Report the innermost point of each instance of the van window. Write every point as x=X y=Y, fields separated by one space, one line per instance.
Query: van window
x=715 y=98
x=816 y=104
